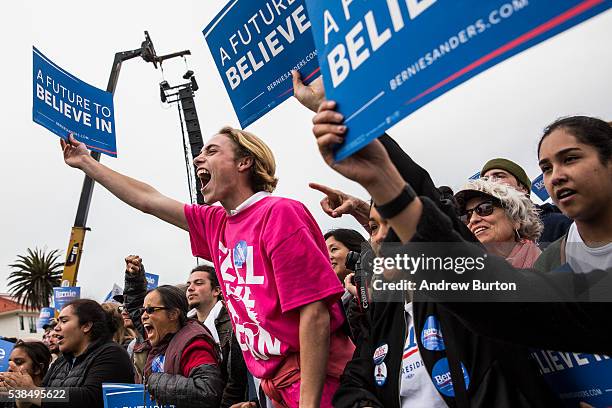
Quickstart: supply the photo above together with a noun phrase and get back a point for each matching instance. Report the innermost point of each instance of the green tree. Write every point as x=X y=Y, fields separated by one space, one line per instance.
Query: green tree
x=34 y=276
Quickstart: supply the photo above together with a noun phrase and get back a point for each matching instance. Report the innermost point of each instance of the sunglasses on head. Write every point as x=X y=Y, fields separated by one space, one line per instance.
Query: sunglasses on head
x=151 y=309
x=483 y=209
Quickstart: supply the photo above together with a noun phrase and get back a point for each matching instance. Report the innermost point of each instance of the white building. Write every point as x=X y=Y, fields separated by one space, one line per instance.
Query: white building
x=16 y=321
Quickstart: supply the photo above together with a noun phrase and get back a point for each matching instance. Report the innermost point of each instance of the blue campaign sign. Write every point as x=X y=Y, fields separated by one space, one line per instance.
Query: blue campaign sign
x=382 y=60
x=577 y=377
x=152 y=280
x=255 y=45
x=64 y=295
x=45 y=316
x=117 y=395
x=64 y=104
x=538 y=188
x=115 y=291
x=5 y=352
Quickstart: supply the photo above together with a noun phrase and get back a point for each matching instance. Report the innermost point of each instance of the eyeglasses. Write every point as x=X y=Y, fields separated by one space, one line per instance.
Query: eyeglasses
x=483 y=209
x=122 y=309
x=151 y=309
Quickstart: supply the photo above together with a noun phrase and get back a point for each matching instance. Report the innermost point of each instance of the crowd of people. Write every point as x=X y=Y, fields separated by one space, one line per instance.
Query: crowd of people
x=254 y=327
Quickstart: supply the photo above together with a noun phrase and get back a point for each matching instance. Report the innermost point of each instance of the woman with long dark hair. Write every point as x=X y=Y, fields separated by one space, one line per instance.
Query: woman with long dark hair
x=339 y=242
x=575 y=155
x=89 y=357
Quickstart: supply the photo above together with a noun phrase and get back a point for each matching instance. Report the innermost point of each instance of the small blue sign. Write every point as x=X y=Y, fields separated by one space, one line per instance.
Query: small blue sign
x=255 y=46
x=5 y=352
x=441 y=377
x=117 y=395
x=431 y=336
x=115 y=291
x=64 y=104
x=152 y=280
x=577 y=377
x=539 y=189
x=64 y=295
x=45 y=316
x=476 y=176
x=383 y=60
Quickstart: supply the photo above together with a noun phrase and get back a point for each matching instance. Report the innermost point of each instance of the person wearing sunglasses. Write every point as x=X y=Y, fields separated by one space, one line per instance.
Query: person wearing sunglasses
x=182 y=364
x=503 y=219
x=177 y=358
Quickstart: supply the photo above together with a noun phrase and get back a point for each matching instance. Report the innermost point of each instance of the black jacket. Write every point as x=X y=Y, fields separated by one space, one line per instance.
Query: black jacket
x=133 y=299
x=200 y=390
x=233 y=366
x=567 y=326
x=203 y=381
x=556 y=224
x=102 y=362
x=500 y=374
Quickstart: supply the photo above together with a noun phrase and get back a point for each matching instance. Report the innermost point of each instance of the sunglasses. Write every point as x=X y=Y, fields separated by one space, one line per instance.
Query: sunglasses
x=151 y=309
x=122 y=309
x=483 y=209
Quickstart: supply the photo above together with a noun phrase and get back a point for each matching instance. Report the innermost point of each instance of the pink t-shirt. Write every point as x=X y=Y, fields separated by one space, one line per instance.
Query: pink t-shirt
x=271 y=259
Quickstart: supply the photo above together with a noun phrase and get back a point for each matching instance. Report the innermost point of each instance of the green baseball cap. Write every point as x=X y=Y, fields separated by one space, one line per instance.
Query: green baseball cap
x=511 y=167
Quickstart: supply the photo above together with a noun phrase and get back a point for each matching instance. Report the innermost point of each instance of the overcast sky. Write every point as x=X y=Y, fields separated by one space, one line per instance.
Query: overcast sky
x=501 y=112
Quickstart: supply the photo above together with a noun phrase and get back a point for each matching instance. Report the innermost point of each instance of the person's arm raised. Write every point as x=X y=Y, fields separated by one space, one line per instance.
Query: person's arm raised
x=337 y=203
x=370 y=167
x=312 y=95
x=133 y=192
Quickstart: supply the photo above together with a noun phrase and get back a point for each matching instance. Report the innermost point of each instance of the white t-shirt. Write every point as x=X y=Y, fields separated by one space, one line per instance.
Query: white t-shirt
x=582 y=258
x=210 y=320
x=417 y=388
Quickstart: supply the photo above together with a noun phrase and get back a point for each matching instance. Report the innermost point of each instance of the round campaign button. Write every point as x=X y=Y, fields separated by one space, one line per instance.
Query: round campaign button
x=381 y=353
x=431 y=336
x=441 y=377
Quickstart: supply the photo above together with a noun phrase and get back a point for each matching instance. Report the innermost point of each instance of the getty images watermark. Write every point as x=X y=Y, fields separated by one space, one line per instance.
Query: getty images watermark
x=466 y=272
x=409 y=265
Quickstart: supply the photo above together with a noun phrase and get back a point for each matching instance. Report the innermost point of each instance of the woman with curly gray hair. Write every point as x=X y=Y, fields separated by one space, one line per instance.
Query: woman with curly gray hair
x=503 y=219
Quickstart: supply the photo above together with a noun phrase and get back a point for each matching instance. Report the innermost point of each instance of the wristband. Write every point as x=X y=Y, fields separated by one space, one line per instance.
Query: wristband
x=398 y=204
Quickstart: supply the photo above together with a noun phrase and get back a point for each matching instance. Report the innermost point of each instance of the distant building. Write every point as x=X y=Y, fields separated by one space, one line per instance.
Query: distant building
x=17 y=321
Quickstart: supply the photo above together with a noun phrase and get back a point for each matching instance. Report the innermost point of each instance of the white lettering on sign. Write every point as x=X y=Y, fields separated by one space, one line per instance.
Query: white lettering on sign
x=354 y=50
x=272 y=44
x=242 y=306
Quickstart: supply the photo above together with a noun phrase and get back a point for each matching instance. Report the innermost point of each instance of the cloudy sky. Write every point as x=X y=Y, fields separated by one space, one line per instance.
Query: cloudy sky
x=499 y=113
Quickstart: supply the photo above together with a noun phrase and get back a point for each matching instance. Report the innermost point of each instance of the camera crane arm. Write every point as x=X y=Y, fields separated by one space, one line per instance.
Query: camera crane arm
x=77 y=235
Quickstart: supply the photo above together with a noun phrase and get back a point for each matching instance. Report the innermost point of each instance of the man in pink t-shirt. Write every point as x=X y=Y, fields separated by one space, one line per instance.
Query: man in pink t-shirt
x=271 y=261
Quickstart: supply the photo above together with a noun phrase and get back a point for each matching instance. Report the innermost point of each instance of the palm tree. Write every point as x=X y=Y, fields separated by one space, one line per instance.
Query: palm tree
x=34 y=277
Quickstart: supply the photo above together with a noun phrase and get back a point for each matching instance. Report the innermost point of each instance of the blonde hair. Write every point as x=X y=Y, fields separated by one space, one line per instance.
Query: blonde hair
x=264 y=165
x=518 y=207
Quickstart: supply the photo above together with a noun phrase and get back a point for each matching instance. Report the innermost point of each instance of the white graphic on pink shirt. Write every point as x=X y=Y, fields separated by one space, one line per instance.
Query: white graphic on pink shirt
x=249 y=333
